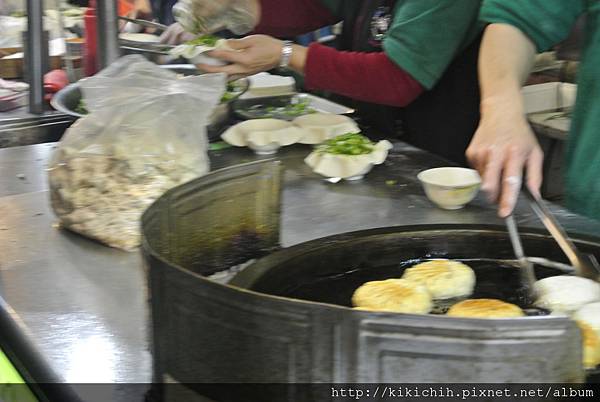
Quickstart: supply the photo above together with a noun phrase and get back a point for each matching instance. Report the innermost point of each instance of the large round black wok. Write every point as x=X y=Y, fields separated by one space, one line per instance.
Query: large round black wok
x=329 y=270
x=285 y=318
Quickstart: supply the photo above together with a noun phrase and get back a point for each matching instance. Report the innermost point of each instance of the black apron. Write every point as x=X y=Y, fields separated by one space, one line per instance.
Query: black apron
x=162 y=11
x=441 y=120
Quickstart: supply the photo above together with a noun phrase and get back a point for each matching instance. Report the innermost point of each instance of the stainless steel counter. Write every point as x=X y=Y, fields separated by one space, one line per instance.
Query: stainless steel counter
x=82 y=306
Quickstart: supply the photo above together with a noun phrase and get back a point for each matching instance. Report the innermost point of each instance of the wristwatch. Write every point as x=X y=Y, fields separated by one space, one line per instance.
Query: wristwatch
x=286 y=54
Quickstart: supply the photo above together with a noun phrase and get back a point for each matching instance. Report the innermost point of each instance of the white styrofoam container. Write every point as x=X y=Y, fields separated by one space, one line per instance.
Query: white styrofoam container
x=548 y=96
x=265 y=84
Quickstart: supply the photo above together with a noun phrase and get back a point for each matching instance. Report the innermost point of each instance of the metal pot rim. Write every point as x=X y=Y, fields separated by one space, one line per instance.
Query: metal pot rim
x=312 y=244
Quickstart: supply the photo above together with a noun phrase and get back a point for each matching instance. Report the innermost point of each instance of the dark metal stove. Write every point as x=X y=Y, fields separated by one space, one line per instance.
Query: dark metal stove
x=252 y=331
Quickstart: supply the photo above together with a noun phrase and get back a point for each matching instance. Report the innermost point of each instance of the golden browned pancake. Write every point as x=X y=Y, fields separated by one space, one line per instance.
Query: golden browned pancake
x=443 y=279
x=396 y=295
x=589 y=314
x=485 y=308
x=591 y=345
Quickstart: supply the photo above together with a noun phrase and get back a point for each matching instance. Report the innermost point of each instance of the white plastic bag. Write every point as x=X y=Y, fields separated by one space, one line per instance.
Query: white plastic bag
x=145 y=134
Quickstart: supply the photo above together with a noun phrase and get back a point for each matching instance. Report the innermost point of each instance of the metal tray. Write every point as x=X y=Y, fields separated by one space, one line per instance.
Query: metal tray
x=149 y=47
x=67 y=99
x=242 y=107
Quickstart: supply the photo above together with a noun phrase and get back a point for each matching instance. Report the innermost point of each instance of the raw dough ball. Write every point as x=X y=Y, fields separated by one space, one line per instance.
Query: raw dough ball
x=566 y=294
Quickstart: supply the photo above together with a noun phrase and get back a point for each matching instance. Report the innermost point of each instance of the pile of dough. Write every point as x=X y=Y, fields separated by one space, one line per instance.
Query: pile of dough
x=591 y=345
x=102 y=193
x=485 y=308
x=347 y=166
x=565 y=294
x=394 y=295
x=261 y=132
x=320 y=127
x=443 y=279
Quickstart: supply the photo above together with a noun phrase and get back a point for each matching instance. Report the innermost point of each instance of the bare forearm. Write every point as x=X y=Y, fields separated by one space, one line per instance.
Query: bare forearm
x=504 y=145
x=505 y=60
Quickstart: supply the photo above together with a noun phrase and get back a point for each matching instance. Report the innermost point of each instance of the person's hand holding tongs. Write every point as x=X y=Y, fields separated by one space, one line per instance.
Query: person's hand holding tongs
x=504 y=146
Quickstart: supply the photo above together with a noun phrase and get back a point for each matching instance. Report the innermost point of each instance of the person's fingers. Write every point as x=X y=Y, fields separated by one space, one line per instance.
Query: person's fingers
x=240 y=44
x=535 y=165
x=173 y=37
x=171 y=34
x=230 y=69
x=512 y=177
x=492 y=173
x=478 y=159
x=229 y=56
x=165 y=36
x=476 y=154
x=185 y=36
x=168 y=38
x=235 y=77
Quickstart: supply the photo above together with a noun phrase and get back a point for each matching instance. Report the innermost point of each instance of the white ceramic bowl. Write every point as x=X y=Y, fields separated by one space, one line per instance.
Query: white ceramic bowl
x=450 y=187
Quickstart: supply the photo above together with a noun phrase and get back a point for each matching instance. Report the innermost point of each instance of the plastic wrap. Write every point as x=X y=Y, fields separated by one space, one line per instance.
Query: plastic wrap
x=145 y=134
x=199 y=16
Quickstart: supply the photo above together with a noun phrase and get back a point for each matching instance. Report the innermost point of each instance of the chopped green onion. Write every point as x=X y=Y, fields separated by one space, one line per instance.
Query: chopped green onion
x=293 y=109
x=227 y=96
x=347 y=144
x=217 y=146
x=204 y=40
x=81 y=108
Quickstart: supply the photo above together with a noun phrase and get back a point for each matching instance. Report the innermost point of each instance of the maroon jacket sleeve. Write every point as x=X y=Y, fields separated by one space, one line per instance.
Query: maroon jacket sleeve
x=369 y=77
x=289 y=18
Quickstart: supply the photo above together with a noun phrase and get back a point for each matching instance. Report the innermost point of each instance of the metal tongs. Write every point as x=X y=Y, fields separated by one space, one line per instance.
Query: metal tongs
x=154 y=48
x=527 y=272
x=585 y=265
x=144 y=23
